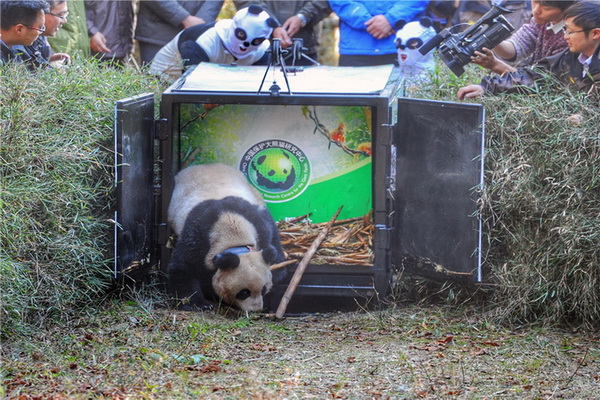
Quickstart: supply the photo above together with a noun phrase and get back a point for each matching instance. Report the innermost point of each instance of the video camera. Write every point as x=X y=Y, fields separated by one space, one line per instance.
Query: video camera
x=456 y=49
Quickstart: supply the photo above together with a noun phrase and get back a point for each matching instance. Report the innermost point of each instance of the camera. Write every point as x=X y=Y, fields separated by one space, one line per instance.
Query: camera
x=456 y=49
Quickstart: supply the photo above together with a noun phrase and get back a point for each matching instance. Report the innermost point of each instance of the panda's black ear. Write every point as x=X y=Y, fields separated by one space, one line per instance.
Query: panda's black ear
x=426 y=22
x=254 y=9
x=269 y=254
x=271 y=23
x=226 y=261
x=400 y=24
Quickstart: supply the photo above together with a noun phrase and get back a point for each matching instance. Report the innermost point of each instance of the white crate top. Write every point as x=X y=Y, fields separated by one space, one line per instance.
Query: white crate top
x=209 y=77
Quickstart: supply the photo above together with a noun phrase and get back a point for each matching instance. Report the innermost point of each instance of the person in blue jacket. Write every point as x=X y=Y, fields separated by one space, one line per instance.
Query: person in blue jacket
x=367 y=29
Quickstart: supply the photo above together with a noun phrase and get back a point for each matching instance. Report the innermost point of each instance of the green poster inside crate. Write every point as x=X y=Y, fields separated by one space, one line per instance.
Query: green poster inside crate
x=302 y=159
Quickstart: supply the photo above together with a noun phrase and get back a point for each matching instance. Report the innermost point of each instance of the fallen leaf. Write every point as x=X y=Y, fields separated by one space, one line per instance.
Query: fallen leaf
x=491 y=344
x=478 y=352
x=447 y=339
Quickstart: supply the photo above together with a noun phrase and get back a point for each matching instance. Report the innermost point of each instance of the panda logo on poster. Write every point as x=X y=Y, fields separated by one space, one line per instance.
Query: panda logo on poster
x=278 y=169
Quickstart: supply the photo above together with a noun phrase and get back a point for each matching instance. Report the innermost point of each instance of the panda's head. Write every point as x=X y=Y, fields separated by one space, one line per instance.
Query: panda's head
x=250 y=28
x=242 y=278
x=409 y=37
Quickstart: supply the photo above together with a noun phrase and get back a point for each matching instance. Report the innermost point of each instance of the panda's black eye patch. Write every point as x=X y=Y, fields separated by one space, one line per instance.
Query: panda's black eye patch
x=414 y=43
x=243 y=294
x=271 y=172
x=240 y=34
x=257 y=41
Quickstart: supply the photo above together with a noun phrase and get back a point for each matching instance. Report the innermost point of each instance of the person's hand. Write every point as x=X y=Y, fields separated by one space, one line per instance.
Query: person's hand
x=59 y=58
x=470 y=92
x=281 y=33
x=192 y=20
x=98 y=43
x=379 y=27
x=292 y=25
x=487 y=59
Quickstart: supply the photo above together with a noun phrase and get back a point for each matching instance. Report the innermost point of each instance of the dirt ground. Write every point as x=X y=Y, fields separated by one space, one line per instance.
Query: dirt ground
x=407 y=352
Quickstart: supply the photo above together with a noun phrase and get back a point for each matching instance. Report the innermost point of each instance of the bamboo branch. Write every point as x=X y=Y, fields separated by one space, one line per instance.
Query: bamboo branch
x=282 y=264
x=287 y=296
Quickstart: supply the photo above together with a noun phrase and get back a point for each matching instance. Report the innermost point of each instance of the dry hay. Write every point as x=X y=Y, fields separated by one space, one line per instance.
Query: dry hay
x=542 y=205
x=349 y=242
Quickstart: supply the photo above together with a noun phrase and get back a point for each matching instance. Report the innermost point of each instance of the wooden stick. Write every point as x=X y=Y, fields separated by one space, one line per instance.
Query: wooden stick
x=282 y=264
x=287 y=296
x=296 y=219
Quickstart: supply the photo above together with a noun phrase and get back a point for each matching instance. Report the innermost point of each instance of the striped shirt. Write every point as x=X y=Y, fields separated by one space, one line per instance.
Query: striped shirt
x=535 y=41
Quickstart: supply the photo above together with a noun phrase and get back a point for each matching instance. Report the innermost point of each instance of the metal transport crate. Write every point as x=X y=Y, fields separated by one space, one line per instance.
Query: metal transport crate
x=415 y=166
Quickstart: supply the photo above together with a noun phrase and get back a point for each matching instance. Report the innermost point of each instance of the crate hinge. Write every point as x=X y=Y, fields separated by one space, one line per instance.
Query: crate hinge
x=385 y=136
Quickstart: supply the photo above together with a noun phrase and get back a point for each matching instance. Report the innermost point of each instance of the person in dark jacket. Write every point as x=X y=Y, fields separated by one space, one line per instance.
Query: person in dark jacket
x=577 y=66
x=40 y=54
x=21 y=23
x=159 y=21
x=110 y=28
x=296 y=19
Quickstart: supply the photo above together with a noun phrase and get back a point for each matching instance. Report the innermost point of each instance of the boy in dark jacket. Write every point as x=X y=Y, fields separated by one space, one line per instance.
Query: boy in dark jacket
x=578 y=66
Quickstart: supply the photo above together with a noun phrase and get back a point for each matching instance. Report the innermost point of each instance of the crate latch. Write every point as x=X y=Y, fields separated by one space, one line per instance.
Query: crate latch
x=161 y=233
x=161 y=129
x=383 y=236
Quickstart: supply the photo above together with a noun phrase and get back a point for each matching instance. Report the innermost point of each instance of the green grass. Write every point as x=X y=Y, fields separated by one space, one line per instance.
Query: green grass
x=56 y=164
x=125 y=351
x=541 y=204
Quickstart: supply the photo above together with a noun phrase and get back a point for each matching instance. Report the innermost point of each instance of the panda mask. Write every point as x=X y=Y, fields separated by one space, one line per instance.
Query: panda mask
x=248 y=32
x=409 y=37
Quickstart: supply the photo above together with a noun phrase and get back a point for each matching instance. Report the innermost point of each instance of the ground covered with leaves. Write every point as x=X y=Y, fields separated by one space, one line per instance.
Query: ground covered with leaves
x=541 y=215
x=406 y=352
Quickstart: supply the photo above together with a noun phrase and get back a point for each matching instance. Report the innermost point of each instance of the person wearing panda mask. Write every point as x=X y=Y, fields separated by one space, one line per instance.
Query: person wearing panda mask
x=413 y=65
x=242 y=40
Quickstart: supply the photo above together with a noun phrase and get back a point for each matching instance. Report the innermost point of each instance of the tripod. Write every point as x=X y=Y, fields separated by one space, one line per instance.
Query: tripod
x=278 y=57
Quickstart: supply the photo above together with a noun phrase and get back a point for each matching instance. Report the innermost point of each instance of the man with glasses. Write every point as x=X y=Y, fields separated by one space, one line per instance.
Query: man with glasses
x=578 y=65
x=40 y=54
x=21 y=23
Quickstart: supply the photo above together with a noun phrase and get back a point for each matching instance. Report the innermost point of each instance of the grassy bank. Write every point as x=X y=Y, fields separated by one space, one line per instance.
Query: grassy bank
x=541 y=205
x=56 y=168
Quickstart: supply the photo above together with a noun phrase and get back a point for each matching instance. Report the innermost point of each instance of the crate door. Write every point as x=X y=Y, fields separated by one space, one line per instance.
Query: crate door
x=438 y=161
x=134 y=217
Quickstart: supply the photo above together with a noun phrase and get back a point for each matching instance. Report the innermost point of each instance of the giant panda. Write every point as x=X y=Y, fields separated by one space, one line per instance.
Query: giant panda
x=226 y=240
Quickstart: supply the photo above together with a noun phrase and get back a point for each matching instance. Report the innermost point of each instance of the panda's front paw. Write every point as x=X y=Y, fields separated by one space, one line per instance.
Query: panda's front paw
x=188 y=306
x=205 y=307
